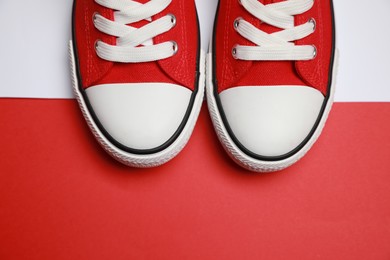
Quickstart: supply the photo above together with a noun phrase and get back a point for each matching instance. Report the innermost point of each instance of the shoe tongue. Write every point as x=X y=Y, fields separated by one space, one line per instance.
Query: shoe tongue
x=285 y=68
x=264 y=26
x=142 y=23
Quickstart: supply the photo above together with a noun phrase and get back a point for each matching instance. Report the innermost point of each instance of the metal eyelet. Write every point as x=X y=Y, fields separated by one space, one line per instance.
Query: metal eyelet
x=234 y=51
x=236 y=22
x=173 y=19
x=175 y=47
x=314 y=52
x=96 y=45
x=313 y=21
x=94 y=17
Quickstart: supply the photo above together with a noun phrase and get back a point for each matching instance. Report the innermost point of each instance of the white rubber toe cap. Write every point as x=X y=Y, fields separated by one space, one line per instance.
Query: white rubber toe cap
x=271 y=120
x=140 y=116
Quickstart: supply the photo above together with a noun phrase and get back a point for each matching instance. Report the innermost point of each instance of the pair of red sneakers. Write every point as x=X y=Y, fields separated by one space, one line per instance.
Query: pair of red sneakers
x=139 y=75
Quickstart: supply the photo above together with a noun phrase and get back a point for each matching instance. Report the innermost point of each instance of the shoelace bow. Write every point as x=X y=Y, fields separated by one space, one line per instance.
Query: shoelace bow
x=278 y=45
x=134 y=44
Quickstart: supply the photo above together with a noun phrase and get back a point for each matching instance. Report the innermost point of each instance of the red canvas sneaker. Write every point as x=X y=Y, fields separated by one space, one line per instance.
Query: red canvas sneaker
x=271 y=79
x=138 y=75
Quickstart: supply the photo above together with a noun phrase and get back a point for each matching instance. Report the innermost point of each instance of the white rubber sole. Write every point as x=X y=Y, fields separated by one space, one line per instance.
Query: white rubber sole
x=135 y=160
x=236 y=153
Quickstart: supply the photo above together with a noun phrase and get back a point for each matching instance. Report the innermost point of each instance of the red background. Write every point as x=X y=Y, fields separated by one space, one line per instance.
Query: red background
x=63 y=197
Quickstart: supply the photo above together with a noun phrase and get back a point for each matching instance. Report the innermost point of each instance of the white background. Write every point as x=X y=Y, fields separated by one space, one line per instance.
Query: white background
x=34 y=57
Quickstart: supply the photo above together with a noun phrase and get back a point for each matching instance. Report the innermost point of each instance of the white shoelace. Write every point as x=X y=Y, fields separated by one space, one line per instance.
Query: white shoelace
x=134 y=44
x=278 y=45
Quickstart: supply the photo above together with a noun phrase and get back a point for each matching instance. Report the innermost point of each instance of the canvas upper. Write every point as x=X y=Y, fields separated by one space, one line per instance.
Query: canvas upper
x=96 y=71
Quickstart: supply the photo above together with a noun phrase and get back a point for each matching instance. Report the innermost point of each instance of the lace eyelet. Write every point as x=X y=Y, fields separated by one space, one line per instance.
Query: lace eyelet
x=94 y=17
x=173 y=19
x=234 y=51
x=314 y=52
x=313 y=21
x=175 y=47
x=236 y=22
x=96 y=45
